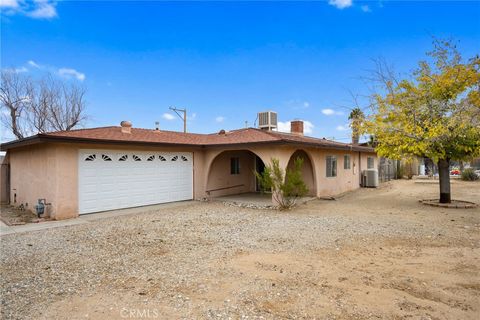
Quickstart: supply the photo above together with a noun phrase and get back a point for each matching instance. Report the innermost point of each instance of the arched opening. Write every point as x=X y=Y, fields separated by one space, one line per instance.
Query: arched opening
x=308 y=172
x=232 y=172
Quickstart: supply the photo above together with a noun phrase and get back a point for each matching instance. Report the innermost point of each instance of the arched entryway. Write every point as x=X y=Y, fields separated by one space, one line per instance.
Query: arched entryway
x=308 y=170
x=232 y=172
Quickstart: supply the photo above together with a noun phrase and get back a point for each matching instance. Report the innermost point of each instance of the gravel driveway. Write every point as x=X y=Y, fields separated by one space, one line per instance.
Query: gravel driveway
x=372 y=254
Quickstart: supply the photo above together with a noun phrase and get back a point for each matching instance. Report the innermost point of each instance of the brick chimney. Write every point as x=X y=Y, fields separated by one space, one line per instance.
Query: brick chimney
x=296 y=127
x=126 y=126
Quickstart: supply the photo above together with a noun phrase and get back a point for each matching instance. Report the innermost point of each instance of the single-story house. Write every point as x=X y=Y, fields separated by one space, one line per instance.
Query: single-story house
x=98 y=169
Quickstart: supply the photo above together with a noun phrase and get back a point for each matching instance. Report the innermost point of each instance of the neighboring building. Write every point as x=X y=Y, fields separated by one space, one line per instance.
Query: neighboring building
x=98 y=169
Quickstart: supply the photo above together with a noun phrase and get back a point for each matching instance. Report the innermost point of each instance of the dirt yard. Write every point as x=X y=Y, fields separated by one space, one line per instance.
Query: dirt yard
x=12 y=216
x=373 y=254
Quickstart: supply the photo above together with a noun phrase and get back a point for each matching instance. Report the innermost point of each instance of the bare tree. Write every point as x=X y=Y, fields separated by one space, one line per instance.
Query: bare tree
x=14 y=98
x=36 y=106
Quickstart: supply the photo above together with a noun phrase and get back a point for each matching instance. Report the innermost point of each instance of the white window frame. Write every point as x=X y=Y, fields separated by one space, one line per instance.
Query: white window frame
x=331 y=172
x=345 y=162
x=370 y=163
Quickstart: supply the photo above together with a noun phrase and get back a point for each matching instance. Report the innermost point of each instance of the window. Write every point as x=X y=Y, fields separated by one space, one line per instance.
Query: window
x=184 y=158
x=175 y=158
x=106 y=158
x=151 y=158
x=331 y=166
x=123 y=158
x=136 y=158
x=234 y=165
x=91 y=157
x=346 y=161
x=370 y=163
x=162 y=158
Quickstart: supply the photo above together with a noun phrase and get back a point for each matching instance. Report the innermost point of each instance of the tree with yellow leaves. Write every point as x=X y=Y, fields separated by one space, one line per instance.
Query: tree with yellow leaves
x=435 y=113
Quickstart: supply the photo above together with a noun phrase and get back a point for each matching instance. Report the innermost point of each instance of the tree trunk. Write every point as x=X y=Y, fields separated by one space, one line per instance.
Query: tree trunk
x=444 y=176
x=355 y=139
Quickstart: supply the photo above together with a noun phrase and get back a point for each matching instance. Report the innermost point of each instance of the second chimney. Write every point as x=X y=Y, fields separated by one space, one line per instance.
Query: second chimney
x=126 y=126
x=296 y=127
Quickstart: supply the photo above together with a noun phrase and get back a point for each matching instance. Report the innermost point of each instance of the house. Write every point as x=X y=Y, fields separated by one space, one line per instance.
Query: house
x=91 y=170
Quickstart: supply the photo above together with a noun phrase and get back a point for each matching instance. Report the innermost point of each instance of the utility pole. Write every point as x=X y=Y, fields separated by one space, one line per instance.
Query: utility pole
x=184 y=117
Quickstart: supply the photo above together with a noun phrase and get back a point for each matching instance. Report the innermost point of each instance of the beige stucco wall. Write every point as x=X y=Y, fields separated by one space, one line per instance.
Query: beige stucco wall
x=308 y=174
x=50 y=171
x=346 y=179
x=32 y=176
x=221 y=182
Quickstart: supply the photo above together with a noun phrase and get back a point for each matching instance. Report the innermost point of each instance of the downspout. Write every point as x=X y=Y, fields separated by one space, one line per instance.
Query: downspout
x=360 y=167
x=193 y=175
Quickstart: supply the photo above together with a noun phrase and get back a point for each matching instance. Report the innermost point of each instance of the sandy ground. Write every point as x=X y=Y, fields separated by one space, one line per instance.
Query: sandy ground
x=373 y=254
x=12 y=216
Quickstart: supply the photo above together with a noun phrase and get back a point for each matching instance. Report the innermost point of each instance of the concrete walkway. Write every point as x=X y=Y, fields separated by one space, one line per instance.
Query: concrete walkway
x=87 y=218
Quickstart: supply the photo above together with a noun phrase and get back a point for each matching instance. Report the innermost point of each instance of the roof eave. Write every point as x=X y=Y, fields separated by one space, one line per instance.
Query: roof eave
x=44 y=138
x=346 y=147
x=21 y=142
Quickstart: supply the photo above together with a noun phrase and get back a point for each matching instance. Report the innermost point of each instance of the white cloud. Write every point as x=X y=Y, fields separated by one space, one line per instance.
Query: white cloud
x=192 y=117
x=308 y=127
x=9 y=4
x=37 y=9
x=285 y=127
x=68 y=72
x=220 y=119
x=365 y=8
x=331 y=112
x=44 y=9
x=340 y=4
x=33 y=64
x=343 y=128
x=30 y=65
x=15 y=70
x=297 y=104
x=21 y=69
x=168 y=116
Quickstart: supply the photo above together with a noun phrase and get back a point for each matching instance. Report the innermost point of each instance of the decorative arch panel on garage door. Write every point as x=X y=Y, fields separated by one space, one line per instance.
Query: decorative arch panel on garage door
x=116 y=179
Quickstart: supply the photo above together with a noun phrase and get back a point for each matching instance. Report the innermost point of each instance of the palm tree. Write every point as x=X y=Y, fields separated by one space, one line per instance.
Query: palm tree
x=356 y=118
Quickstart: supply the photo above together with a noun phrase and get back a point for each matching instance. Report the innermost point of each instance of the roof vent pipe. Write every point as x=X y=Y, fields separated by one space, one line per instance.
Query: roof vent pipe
x=126 y=126
x=296 y=127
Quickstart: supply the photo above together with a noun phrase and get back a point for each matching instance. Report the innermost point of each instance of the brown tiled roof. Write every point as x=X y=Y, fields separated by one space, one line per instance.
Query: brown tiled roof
x=161 y=137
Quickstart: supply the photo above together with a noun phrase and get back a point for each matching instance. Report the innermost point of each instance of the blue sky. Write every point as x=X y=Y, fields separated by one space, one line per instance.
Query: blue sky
x=225 y=61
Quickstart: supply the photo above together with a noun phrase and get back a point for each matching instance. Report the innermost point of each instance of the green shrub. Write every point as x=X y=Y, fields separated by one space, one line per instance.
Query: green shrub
x=469 y=175
x=286 y=188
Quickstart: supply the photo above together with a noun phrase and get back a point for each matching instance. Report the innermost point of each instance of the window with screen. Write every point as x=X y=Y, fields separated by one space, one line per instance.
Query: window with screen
x=370 y=163
x=331 y=166
x=346 y=161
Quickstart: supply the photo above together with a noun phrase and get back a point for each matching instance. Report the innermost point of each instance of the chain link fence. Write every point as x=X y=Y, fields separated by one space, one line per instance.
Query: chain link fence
x=387 y=169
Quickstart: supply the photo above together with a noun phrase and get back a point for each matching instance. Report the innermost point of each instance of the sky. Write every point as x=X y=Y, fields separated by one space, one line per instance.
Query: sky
x=226 y=61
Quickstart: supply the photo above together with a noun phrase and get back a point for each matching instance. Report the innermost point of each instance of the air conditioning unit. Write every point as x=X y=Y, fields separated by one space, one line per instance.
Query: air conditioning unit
x=267 y=120
x=370 y=178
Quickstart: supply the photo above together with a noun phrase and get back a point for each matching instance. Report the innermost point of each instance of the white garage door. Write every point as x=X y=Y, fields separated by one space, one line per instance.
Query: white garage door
x=114 y=179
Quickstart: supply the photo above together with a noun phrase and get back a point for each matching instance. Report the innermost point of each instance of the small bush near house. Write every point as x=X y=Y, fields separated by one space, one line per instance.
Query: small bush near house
x=469 y=175
x=286 y=188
